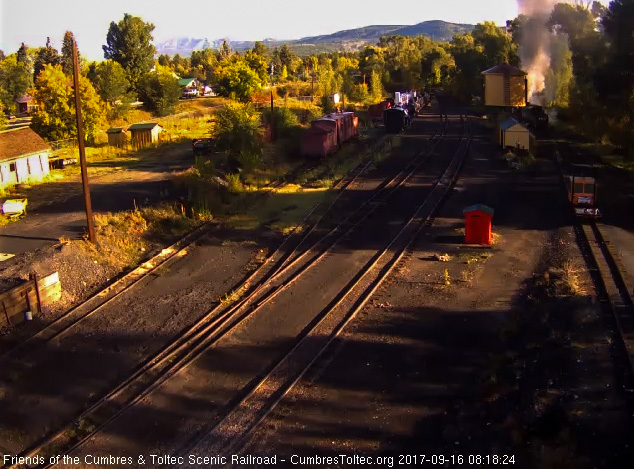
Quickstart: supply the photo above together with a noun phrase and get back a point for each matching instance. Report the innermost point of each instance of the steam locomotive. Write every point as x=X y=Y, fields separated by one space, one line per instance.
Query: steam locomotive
x=534 y=116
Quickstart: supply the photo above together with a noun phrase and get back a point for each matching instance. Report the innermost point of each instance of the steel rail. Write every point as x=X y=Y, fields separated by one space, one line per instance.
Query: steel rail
x=211 y=327
x=231 y=431
x=609 y=281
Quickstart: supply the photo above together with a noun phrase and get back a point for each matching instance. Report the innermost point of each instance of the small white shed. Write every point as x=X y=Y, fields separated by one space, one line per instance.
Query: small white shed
x=515 y=135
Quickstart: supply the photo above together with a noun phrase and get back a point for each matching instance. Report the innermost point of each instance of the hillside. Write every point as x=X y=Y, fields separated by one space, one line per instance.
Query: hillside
x=348 y=40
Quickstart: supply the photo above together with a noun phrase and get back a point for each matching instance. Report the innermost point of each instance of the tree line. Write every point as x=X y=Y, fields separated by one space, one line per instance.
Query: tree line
x=590 y=77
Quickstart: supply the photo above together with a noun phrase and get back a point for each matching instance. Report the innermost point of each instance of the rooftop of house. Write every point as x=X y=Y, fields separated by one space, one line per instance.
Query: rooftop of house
x=24 y=141
x=505 y=69
x=147 y=126
x=24 y=99
x=186 y=81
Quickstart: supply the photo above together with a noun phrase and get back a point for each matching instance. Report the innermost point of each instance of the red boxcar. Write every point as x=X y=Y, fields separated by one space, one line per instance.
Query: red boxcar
x=317 y=141
x=347 y=125
x=375 y=111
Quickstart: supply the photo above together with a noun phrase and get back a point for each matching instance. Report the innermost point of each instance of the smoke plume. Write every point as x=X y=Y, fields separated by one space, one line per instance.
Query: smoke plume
x=535 y=42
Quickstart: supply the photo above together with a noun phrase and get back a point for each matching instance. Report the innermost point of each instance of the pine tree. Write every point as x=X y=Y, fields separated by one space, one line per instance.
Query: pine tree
x=22 y=55
x=45 y=56
x=225 y=50
x=67 y=53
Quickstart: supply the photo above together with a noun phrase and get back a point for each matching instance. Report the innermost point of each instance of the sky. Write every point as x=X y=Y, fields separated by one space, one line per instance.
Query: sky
x=31 y=21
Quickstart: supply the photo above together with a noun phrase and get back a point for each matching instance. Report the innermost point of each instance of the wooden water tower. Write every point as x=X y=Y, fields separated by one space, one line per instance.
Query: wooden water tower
x=506 y=86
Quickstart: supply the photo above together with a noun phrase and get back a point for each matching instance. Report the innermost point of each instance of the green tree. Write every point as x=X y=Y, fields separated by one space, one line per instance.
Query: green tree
x=258 y=64
x=559 y=76
x=225 y=50
x=160 y=91
x=496 y=45
x=22 y=56
x=45 y=56
x=238 y=80
x=67 y=54
x=285 y=122
x=164 y=60
x=376 y=87
x=129 y=43
x=111 y=83
x=55 y=118
x=286 y=57
x=259 y=48
x=236 y=130
x=616 y=79
x=588 y=51
x=470 y=62
x=15 y=79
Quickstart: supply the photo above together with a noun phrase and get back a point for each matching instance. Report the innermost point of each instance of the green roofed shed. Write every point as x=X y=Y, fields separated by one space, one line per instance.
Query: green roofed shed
x=116 y=136
x=145 y=134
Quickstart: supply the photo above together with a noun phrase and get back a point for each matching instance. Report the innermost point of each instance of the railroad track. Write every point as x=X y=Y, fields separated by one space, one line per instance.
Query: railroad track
x=219 y=321
x=613 y=291
x=229 y=434
x=63 y=324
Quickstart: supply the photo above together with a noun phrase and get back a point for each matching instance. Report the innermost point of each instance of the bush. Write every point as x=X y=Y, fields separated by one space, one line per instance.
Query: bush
x=359 y=93
x=263 y=96
x=235 y=184
x=237 y=130
x=327 y=105
x=285 y=122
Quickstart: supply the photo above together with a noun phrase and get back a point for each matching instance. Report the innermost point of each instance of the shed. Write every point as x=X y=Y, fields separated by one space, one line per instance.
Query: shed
x=116 y=136
x=23 y=156
x=145 y=134
x=478 y=224
x=25 y=105
x=515 y=135
x=505 y=85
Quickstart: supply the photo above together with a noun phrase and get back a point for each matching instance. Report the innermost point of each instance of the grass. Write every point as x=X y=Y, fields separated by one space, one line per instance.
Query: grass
x=124 y=237
x=565 y=280
x=233 y=296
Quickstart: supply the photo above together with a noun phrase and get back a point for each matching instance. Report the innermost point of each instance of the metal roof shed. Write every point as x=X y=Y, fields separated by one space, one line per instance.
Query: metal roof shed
x=515 y=135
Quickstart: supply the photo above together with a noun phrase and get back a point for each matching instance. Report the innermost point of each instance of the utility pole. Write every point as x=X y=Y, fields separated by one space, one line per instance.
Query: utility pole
x=272 y=71
x=82 y=150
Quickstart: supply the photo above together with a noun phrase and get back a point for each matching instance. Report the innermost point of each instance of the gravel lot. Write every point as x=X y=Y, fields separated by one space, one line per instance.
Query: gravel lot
x=503 y=360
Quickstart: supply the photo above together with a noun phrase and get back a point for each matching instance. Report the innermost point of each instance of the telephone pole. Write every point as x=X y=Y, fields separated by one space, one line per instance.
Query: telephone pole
x=272 y=71
x=82 y=150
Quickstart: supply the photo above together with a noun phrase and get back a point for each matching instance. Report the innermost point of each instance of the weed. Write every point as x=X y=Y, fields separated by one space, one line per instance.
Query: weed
x=235 y=185
x=232 y=297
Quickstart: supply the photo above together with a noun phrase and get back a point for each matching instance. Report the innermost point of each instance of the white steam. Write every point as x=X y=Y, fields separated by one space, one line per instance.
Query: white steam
x=535 y=45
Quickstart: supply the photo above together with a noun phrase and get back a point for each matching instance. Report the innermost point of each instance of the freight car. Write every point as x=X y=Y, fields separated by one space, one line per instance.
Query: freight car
x=328 y=133
x=375 y=111
x=582 y=194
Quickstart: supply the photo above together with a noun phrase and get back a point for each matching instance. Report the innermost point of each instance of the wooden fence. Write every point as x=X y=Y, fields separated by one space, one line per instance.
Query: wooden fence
x=30 y=296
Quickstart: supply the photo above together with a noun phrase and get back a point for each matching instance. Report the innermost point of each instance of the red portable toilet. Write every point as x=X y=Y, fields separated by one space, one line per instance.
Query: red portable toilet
x=478 y=224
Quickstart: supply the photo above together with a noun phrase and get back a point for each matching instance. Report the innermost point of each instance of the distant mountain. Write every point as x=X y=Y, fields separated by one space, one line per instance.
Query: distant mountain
x=439 y=30
x=348 y=40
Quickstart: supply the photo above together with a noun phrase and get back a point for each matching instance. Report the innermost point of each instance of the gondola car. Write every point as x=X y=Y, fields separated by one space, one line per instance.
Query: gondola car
x=582 y=194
